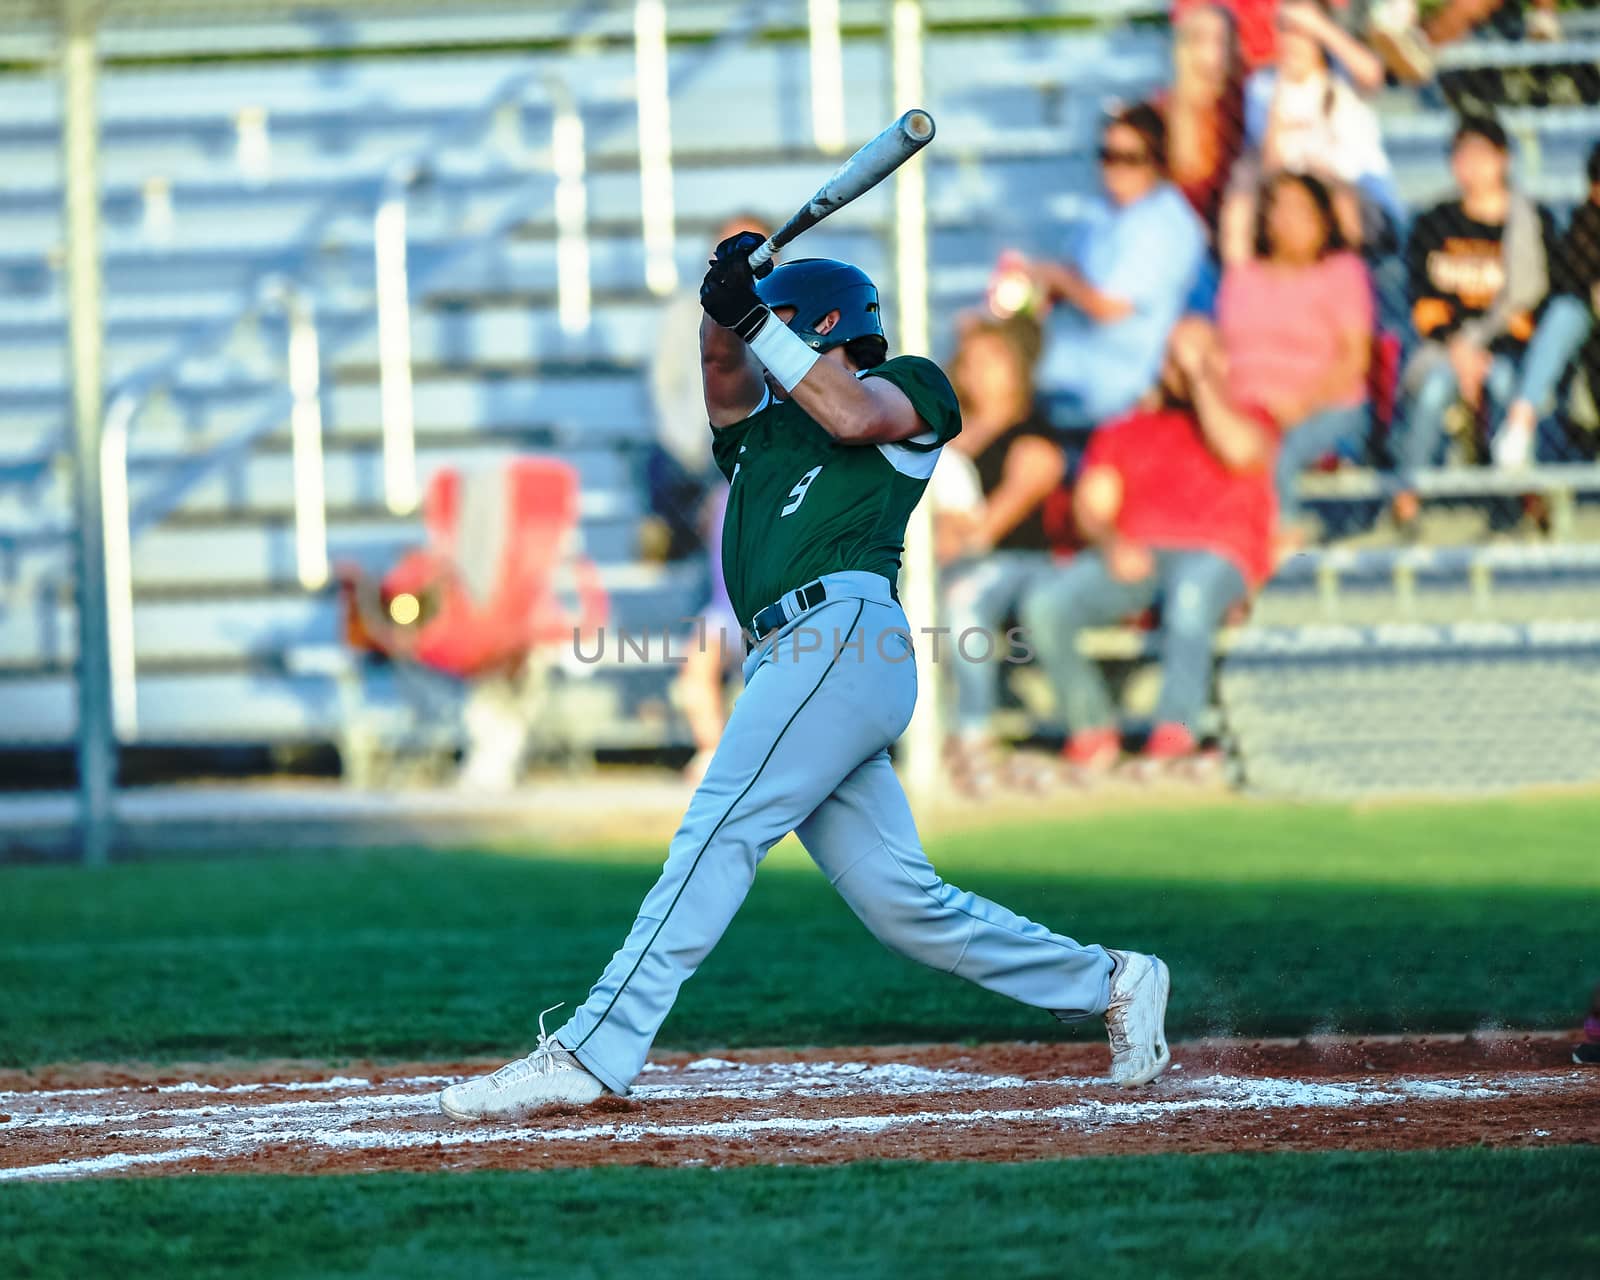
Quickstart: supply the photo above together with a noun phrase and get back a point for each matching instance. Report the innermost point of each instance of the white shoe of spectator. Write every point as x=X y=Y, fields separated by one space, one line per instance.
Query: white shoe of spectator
x=1542 y=24
x=1512 y=449
x=496 y=738
x=1396 y=35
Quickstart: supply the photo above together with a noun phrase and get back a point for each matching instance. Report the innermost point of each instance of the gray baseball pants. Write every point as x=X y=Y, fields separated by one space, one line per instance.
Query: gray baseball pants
x=806 y=750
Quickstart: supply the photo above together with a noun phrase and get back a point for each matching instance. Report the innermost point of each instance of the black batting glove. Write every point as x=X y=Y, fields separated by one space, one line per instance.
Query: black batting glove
x=738 y=248
x=728 y=292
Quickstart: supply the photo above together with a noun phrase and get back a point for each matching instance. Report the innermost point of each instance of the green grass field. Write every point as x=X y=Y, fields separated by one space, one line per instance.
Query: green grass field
x=1489 y=1213
x=1276 y=920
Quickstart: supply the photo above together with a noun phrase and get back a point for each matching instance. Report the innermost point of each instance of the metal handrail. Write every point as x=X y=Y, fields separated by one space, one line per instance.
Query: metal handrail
x=393 y=304
x=391 y=281
x=655 y=144
x=515 y=211
x=212 y=335
x=188 y=471
x=415 y=165
x=310 y=504
x=123 y=519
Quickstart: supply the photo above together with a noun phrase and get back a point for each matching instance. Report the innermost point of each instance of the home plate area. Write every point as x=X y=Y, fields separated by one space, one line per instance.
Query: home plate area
x=987 y=1102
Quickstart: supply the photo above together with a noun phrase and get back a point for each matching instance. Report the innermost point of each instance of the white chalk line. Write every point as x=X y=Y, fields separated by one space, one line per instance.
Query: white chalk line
x=193 y=1086
x=115 y=1163
x=751 y=1082
x=227 y=1130
x=743 y=1080
x=779 y=1074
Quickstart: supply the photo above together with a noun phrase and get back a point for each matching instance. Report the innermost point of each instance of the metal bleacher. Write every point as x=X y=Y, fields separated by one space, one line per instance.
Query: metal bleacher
x=221 y=176
x=191 y=227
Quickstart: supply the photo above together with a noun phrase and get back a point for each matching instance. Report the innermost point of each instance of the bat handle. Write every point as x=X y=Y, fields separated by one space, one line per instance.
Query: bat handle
x=762 y=254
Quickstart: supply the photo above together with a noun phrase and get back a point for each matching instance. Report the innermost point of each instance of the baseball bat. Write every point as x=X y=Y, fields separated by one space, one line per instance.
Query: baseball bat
x=856 y=176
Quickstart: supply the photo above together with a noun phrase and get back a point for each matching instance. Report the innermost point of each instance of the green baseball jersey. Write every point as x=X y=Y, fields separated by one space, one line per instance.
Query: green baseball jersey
x=802 y=504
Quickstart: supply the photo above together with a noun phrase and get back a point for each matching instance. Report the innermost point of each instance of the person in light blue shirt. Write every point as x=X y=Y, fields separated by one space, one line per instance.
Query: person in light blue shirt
x=1126 y=279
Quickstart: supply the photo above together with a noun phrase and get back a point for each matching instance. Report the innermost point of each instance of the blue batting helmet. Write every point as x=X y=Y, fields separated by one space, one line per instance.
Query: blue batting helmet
x=816 y=286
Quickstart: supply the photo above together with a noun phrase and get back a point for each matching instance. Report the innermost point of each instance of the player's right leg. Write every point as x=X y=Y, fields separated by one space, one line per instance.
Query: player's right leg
x=865 y=840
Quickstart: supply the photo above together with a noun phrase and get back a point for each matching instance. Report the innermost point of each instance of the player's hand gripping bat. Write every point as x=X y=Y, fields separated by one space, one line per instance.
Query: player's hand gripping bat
x=856 y=176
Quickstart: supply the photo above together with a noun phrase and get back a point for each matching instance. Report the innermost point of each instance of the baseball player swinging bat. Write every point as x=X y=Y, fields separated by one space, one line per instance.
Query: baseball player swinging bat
x=855 y=177
x=827 y=443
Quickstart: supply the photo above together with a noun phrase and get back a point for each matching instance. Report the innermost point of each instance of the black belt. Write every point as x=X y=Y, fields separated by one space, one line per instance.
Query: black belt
x=775 y=615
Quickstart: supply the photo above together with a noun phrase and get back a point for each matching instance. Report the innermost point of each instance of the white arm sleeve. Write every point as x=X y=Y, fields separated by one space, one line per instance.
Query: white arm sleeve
x=954 y=486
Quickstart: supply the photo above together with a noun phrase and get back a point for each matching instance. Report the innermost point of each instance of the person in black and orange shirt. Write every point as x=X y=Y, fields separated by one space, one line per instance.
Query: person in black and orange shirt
x=1567 y=336
x=1479 y=269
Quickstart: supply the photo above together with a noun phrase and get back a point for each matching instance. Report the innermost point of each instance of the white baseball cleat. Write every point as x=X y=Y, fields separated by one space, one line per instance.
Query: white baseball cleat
x=548 y=1077
x=1136 y=1018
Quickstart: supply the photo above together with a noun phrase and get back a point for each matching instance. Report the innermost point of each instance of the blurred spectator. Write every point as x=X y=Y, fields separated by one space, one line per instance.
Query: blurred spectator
x=993 y=545
x=1587 y=1053
x=1565 y=330
x=1337 y=25
x=1407 y=44
x=697 y=496
x=714 y=651
x=1178 y=500
x=486 y=608
x=1302 y=117
x=1296 y=327
x=1479 y=268
x=678 y=469
x=1333 y=28
x=1125 y=280
x=1205 y=107
x=1255 y=23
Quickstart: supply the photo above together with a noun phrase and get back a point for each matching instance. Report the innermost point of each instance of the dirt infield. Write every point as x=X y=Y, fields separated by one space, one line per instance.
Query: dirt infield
x=940 y=1102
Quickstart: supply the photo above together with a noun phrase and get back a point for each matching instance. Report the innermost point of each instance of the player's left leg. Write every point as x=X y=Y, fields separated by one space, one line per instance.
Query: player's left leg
x=819 y=699
x=865 y=840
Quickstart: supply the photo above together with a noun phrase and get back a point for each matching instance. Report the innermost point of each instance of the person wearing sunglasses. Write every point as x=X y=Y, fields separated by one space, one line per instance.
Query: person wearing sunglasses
x=1123 y=281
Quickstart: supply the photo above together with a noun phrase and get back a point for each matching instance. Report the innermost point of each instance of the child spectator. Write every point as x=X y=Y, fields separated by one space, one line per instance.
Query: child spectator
x=1302 y=117
x=1296 y=328
x=1565 y=330
x=1178 y=501
x=1125 y=280
x=994 y=546
x=1479 y=269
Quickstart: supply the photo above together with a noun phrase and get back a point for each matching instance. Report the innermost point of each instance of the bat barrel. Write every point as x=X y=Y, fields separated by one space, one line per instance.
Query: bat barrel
x=917 y=125
x=867 y=167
